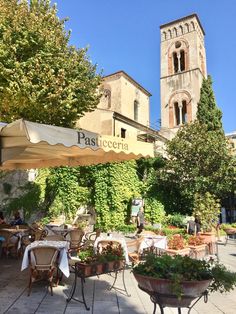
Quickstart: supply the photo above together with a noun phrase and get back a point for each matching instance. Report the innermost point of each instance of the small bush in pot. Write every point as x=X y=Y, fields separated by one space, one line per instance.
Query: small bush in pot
x=183 y=269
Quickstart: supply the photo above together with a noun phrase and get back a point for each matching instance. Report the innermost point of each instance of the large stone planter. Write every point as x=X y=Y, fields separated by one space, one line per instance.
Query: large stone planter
x=161 y=289
x=185 y=251
x=198 y=251
x=209 y=238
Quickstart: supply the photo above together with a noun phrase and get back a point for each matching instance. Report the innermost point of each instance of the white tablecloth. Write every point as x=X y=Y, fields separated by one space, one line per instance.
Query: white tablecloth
x=63 y=246
x=113 y=238
x=159 y=242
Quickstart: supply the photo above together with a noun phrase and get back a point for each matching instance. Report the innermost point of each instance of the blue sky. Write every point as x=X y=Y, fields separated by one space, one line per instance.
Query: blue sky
x=125 y=35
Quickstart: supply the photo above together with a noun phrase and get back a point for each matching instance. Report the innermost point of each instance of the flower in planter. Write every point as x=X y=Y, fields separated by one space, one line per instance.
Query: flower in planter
x=195 y=240
x=176 y=242
x=111 y=252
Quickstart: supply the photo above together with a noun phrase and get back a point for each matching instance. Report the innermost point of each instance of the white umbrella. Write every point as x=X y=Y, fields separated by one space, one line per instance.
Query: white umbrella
x=26 y=145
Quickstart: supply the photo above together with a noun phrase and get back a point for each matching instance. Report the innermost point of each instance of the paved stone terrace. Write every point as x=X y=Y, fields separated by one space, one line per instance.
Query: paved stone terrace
x=14 y=299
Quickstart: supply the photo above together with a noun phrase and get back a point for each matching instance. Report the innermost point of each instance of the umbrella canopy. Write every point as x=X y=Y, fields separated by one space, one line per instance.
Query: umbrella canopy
x=26 y=145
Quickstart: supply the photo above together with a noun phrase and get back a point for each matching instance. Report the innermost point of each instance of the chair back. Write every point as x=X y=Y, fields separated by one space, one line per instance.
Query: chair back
x=23 y=226
x=7 y=235
x=135 y=244
x=45 y=257
x=76 y=236
x=104 y=243
x=38 y=234
x=54 y=237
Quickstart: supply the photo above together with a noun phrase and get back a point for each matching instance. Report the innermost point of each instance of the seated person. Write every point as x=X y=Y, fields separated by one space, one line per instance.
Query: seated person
x=2 y=220
x=17 y=219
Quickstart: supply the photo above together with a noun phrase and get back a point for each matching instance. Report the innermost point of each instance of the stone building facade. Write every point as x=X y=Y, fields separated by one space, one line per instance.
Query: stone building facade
x=123 y=111
x=183 y=67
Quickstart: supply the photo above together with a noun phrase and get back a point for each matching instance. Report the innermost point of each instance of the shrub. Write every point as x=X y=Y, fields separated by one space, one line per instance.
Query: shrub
x=176 y=220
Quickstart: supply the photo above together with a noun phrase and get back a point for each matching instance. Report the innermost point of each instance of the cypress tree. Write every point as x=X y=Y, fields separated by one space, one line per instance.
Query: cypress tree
x=208 y=113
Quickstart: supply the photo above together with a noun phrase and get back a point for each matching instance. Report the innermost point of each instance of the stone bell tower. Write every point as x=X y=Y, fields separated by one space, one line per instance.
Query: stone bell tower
x=183 y=67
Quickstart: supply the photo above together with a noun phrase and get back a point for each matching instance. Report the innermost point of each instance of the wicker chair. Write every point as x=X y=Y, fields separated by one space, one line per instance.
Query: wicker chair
x=10 y=243
x=134 y=255
x=90 y=238
x=104 y=243
x=31 y=236
x=54 y=237
x=43 y=260
x=75 y=238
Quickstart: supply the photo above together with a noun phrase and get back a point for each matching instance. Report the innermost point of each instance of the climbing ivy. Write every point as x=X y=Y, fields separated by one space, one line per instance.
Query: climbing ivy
x=64 y=194
x=115 y=185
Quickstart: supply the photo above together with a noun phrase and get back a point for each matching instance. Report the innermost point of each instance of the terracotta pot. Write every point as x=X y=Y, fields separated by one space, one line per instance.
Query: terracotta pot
x=88 y=270
x=230 y=231
x=108 y=266
x=182 y=252
x=208 y=237
x=162 y=289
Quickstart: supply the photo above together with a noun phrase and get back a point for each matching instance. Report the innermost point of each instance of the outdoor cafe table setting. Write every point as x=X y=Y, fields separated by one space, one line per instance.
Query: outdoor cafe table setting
x=63 y=247
x=18 y=233
x=157 y=241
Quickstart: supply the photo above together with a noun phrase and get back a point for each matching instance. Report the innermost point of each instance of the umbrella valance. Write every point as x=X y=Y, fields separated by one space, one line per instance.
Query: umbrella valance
x=26 y=145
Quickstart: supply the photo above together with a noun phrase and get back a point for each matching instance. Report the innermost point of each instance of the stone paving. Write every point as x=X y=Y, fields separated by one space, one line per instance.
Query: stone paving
x=14 y=299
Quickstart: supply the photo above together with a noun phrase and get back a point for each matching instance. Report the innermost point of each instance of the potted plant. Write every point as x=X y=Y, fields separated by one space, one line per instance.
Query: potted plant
x=197 y=246
x=88 y=264
x=177 y=245
x=110 y=258
x=175 y=281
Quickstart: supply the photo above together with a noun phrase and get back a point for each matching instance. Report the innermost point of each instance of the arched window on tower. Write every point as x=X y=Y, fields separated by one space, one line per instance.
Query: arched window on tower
x=182 y=60
x=192 y=26
x=184 y=112
x=136 y=110
x=180 y=30
x=175 y=62
x=169 y=34
x=177 y=115
x=174 y=32
x=186 y=27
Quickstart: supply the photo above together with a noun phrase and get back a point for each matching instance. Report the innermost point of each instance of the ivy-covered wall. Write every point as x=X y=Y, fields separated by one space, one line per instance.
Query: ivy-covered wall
x=108 y=188
x=115 y=186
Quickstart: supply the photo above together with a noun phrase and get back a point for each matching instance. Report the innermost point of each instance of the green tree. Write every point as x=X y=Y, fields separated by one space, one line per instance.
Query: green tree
x=207 y=208
x=208 y=113
x=199 y=161
x=42 y=77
